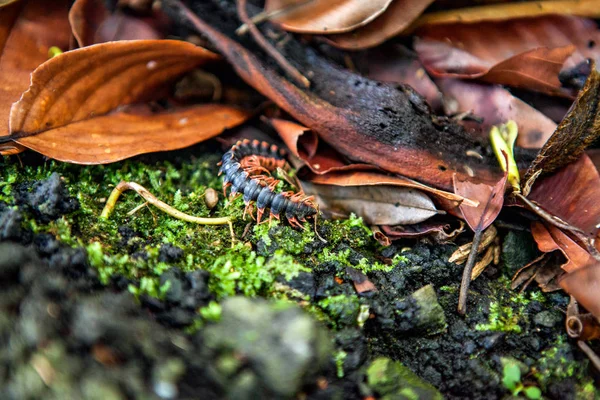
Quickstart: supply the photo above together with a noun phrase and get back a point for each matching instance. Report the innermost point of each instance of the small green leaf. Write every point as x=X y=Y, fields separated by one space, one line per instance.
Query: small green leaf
x=533 y=392
x=511 y=376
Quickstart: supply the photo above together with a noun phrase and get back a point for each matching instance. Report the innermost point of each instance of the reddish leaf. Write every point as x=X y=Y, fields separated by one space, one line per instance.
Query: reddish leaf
x=400 y=14
x=490 y=198
x=326 y=16
x=522 y=52
x=92 y=23
x=572 y=194
x=361 y=282
x=496 y=106
x=584 y=285
x=121 y=135
x=91 y=81
x=381 y=124
x=304 y=144
x=27 y=30
x=550 y=238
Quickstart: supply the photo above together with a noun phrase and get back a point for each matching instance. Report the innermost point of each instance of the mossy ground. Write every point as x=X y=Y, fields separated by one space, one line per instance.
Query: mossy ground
x=278 y=262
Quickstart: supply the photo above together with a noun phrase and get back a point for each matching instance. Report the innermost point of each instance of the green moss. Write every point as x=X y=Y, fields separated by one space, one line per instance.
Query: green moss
x=501 y=319
x=556 y=363
x=392 y=380
x=339 y=358
x=343 y=310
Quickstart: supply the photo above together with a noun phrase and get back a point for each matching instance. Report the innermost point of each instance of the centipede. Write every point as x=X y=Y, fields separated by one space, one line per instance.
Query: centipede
x=246 y=168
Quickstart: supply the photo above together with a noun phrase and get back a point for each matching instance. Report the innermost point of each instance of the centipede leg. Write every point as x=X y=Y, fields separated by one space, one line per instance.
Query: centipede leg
x=248 y=209
x=259 y=214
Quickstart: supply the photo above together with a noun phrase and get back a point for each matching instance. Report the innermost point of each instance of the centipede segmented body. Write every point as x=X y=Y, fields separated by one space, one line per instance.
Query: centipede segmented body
x=246 y=167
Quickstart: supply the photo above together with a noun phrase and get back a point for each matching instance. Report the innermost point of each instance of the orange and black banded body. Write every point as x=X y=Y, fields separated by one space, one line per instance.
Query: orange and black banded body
x=244 y=167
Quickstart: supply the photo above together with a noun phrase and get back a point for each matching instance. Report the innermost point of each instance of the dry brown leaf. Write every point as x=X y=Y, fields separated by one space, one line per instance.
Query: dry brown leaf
x=490 y=198
x=326 y=16
x=27 y=31
x=120 y=135
x=94 y=80
x=442 y=231
x=550 y=238
x=509 y=11
x=399 y=15
x=584 y=285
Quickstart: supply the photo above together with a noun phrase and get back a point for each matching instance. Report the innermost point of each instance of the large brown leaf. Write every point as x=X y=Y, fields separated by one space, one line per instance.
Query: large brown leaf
x=399 y=16
x=326 y=16
x=584 y=285
x=525 y=53
x=495 y=105
x=27 y=30
x=120 y=135
x=364 y=120
x=94 y=80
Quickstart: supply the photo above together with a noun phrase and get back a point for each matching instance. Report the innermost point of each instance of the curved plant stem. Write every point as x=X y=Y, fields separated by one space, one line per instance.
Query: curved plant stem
x=150 y=198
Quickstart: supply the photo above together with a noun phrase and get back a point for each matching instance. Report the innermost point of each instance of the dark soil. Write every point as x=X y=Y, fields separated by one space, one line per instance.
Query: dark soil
x=70 y=333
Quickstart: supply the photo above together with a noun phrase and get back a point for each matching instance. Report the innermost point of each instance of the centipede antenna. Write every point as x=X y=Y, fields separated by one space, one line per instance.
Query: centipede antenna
x=317 y=233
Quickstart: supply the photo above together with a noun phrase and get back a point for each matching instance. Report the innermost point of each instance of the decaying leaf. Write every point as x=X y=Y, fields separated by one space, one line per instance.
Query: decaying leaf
x=361 y=282
x=120 y=135
x=377 y=205
x=550 y=238
x=27 y=31
x=495 y=105
x=490 y=199
x=584 y=285
x=545 y=270
x=325 y=16
x=398 y=17
x=92 y=81
x=381 y=124
x=579 y=128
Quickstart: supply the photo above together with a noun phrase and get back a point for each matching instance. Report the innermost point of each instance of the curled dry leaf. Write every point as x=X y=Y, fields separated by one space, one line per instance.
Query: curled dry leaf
x=550 y=238
x=94 y=80
x=120 y=135
x=325 y=16
x=398 y=17
x=92 y=23
x=382 y=124
x=579 y=128
x=495 y=105
x=545 y=270
x=584 y=285
x=27 y=31
x=377 y=205
x=318 y=156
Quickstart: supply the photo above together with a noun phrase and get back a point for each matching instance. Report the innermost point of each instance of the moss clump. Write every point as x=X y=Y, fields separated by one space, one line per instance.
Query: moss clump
x=342 y=309
x=392 y=380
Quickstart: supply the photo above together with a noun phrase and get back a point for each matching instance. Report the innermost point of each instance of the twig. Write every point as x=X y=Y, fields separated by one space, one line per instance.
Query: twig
x=150 y=198
x=590 y=353
x=268 y=15
x=268 y=47
x=466 y=277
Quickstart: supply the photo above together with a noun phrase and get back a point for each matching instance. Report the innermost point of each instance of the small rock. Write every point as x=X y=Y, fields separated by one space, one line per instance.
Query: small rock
x=50 y=199
x=211 y=198
x=547 y=319
x=10 y=224
x=169 y=253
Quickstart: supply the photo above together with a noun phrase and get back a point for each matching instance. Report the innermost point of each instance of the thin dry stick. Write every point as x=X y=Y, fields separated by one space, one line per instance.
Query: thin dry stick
x=150 y=198
x=268 y=47
x=590 y=353
x=466 y=277
x=269 y=15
